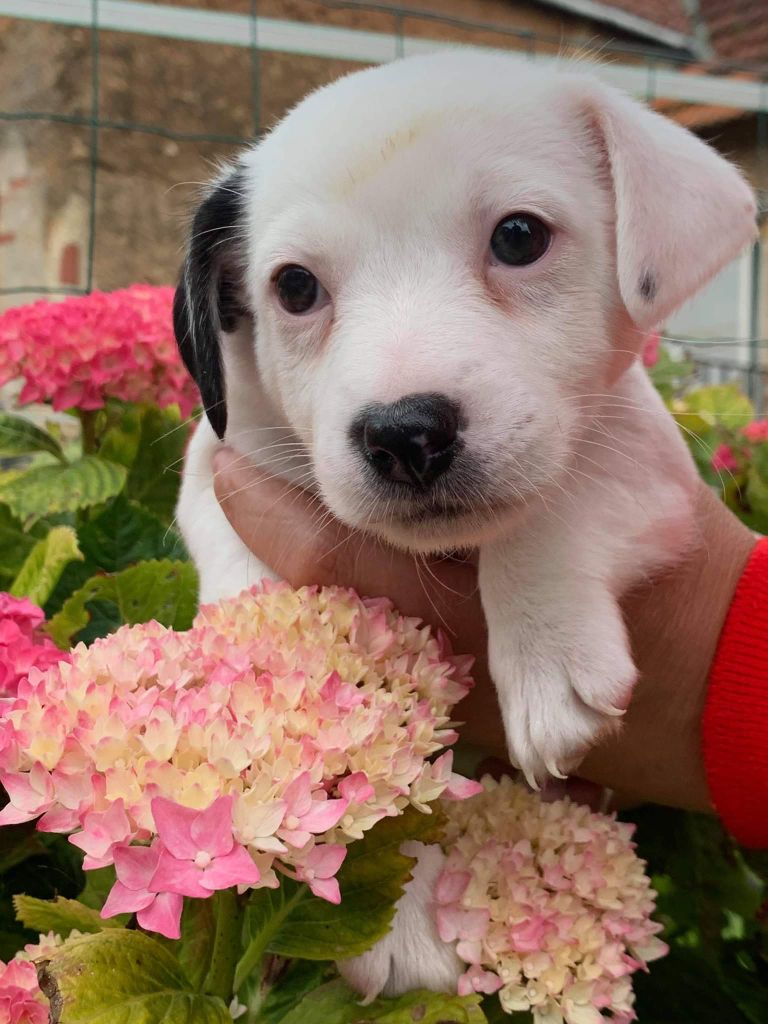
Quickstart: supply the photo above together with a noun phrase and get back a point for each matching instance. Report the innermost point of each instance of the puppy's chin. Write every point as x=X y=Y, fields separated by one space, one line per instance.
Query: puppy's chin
x=434 y=530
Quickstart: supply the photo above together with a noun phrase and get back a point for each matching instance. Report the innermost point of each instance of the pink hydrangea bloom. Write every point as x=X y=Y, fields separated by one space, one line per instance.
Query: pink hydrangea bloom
x=21 y=1001
x=22 y=644
x=86 y=349
x=651 y=347
x=756 y=432
x=548 y=904
x=282 y=726
x=723 y=459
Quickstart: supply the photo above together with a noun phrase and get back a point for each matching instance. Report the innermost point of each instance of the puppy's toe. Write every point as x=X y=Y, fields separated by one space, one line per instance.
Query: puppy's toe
x=411 y=955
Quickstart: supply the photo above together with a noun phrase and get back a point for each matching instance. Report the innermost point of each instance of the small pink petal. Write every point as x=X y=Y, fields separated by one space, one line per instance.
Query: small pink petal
x=58 y=819
x=356 y=788
x=325 y=861
x=326 y=889
x=324 y=814
x=298 y=796
x=179 y=876
x=173 y=824
x=460 y=788
x=163 y=915
x=135 y=865
x=451 y=886
x=236 y=868
x=212 y=829
x=122 y=900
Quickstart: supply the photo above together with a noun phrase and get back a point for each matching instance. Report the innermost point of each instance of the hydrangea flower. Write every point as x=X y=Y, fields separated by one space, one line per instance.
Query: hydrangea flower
x=547 y=904
x=723 y=459
x=86 y=349
x=22 y=644
x=21 y=1001
x=651 y=349
x=282 y=726
x=756 y=432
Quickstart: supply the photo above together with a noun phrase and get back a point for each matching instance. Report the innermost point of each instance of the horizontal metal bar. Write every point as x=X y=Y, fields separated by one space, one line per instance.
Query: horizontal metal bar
x=356 y=45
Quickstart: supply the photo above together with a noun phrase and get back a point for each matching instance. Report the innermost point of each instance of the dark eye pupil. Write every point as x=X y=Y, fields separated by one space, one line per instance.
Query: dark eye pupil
x=520 y=239
x=296 y=289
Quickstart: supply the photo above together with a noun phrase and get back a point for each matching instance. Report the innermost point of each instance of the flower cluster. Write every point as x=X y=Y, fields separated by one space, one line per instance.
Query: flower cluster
x=22 y=645
x=21 y=1001
x=731 y=458
x=86 y=349
x=548 y=905
x=283 y=725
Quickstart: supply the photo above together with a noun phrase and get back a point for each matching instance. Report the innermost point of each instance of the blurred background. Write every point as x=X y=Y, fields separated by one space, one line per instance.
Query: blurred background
x=113 y=113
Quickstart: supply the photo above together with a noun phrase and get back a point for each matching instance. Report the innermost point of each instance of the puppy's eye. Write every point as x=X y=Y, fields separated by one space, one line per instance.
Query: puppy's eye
x=520 y=239
x=297 y=288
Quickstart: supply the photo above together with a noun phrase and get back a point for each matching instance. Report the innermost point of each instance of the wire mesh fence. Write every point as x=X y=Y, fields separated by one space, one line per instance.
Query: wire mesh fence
x=106 y=106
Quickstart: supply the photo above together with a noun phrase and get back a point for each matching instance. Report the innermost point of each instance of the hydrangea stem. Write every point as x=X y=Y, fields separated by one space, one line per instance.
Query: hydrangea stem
x=227 y=945
x=88 y=430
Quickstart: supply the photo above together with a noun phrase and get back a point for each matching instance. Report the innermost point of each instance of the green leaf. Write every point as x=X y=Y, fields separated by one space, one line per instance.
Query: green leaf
x=297 y=980
x=155 y=472
x=48 y=490
x=681 y=989
x=19 y=436
x=45 y=563
x=59 y=915
x=195 y=948
x=94 y=895
x=15 y=545
x=335 y=1003
x=719 y=405
x=123 y=977
x=126 y=533
x=165 y=591
x=291 y=922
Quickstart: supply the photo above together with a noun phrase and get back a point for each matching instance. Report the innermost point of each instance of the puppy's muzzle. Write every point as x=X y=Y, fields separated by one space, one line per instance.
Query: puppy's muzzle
x=412 y=441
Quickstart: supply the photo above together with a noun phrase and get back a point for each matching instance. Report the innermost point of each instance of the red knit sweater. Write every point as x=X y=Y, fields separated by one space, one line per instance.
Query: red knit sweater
x=735 y=725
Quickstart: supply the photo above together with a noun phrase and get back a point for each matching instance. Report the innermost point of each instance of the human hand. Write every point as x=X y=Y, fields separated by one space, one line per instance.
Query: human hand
x=674 y=622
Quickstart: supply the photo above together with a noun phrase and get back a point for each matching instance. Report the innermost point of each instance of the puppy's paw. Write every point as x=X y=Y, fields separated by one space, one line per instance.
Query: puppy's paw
x=562 y=687
x=412 y=955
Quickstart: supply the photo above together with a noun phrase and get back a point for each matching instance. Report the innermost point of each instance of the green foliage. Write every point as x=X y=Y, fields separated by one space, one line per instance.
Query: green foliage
x=60 y=916
x=19 y=436
x=164 y=591
x=335 y=1003
x=123 y=977
x=48 y=490
x=290 y=921
x=45 y=564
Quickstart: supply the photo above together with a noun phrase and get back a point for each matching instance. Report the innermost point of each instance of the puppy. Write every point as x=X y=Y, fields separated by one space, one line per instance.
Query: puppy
x=423 y=296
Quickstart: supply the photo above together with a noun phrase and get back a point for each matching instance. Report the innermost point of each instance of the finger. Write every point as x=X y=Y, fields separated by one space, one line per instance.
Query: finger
x=290 y=530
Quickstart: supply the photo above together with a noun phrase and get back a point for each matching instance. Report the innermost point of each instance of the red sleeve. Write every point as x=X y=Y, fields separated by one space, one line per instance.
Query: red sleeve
x=735 y=724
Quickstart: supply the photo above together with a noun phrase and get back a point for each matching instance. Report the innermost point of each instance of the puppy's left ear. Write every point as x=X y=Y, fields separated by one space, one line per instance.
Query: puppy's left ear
x=682 y=211
x=209 y=298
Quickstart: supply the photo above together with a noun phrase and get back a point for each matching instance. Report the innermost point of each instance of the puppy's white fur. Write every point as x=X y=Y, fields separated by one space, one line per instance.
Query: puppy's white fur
x=387 y=185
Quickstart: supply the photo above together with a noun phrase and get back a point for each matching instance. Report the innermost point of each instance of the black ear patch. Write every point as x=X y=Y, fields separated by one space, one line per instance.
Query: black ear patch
x=648 y=286
x=209 y=296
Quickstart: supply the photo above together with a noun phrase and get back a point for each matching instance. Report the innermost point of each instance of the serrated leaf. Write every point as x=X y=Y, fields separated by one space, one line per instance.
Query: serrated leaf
x=15 y=545
x=45 y=563
x=335 y=1003
x=48 y=490
x=126 y=533
x=123 y=977
x=291 y=922
x=155 y=473
x=19 y=436
x=60 y=916
x=163 y=590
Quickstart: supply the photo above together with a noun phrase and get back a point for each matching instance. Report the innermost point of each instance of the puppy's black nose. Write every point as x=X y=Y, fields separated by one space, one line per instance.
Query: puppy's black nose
x=411 y=441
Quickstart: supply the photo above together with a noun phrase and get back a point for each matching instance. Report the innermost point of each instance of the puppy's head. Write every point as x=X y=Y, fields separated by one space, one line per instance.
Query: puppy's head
x=441 y=257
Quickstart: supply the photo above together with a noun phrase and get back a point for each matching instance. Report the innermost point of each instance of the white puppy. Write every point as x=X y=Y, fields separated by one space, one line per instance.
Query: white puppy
x=423 y=295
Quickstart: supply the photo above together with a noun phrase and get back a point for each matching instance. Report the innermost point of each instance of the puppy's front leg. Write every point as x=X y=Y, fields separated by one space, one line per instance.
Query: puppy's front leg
x=558 y=648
